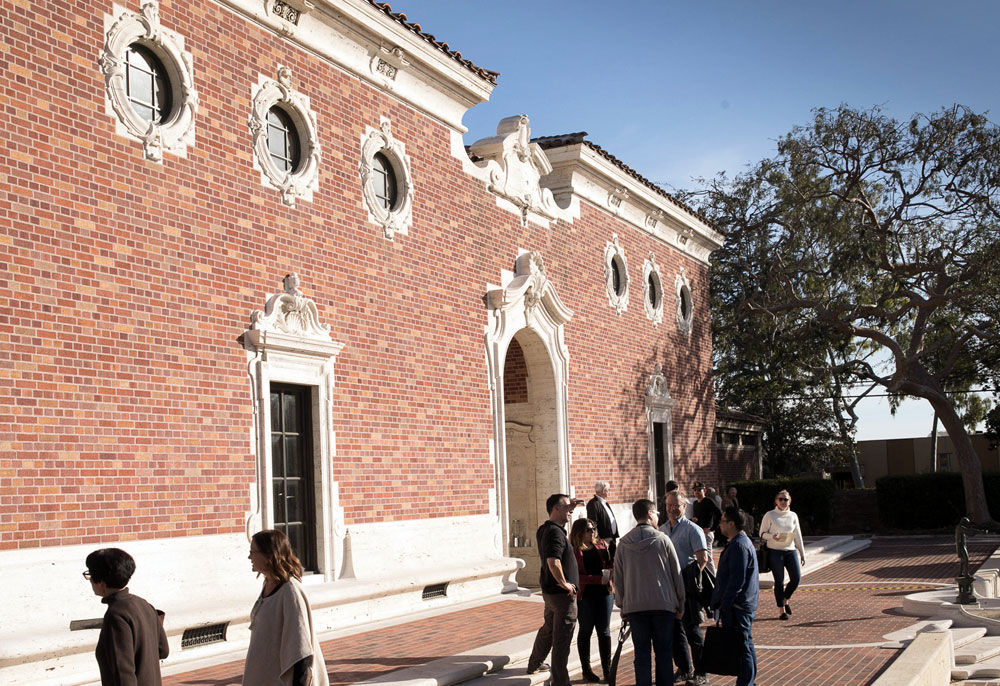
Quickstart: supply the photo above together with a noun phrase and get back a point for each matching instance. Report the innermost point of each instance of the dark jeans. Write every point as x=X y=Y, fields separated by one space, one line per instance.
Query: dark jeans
x=743 y=623
x=654 y=628
x=782 y=561
x=688 y=643
x=595 y=611
x=556 y=634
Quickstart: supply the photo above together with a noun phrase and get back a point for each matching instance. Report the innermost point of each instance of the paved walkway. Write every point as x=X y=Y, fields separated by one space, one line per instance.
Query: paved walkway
x=840 y=615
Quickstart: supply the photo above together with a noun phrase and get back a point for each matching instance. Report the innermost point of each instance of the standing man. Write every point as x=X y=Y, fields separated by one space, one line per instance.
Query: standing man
x=599 y=511
x=650 y=593
x=132 y=640
x=736 y=590
x=692 y=552
x=559 y=579
x=706 y=514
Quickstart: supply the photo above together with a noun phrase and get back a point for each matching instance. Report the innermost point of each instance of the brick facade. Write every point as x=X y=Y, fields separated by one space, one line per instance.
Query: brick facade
x=125 y=401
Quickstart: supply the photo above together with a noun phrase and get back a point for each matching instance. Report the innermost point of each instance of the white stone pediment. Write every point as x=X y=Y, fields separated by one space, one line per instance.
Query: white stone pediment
x=290 y=321
x=531 y=286
x=516 y=167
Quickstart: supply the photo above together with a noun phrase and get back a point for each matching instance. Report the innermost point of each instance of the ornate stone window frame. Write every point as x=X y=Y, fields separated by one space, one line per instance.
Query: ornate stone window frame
x=613 y=253
x=685 y=301
x=301 y=183
x=123 y=30
x=397 y=219
x=286 y=343
x=650 y=269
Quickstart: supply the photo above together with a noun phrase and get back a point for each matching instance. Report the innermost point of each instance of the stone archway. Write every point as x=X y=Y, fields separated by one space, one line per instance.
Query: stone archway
x=530 y=434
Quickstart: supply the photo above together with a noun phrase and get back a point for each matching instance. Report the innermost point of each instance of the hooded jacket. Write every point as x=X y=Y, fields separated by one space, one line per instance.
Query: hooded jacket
x=647 y=572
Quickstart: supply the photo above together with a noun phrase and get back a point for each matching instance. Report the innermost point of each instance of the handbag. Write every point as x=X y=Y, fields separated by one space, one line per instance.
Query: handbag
x=763 y=564
x=721 y=652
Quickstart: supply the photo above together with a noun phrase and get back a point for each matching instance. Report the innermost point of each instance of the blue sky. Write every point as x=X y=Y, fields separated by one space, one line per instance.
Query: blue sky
x=680 y=90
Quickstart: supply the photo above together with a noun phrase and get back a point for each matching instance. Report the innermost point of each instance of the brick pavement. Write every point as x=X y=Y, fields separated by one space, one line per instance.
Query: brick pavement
x=854 y=601
x=361 y=656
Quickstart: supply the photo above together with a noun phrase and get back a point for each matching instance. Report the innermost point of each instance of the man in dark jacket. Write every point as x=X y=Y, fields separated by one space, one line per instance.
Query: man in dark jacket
x=132 y=640
x=736 y=590
x=600 y=512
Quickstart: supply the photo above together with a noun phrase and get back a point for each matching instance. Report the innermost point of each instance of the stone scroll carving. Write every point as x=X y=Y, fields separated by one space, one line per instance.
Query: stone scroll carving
x=290 y=312
x=516 y=166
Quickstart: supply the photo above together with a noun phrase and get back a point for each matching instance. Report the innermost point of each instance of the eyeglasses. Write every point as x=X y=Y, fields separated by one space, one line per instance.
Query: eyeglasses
x=590 y=528
x=86 y=575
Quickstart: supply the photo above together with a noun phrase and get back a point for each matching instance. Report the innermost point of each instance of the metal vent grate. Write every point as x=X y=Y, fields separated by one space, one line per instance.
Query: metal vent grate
x=202 y=635
x=435 y=591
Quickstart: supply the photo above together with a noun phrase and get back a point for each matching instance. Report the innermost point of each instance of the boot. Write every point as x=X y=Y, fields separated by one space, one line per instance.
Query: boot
x=583 y=647
x=604 y=646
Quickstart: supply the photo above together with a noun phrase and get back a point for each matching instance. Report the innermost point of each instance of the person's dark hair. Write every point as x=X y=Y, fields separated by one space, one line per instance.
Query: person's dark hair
x=672 y=486
x=113 y=566
x=641 y=509
x=579 y=530
x=736 y=516
x=553 y=500
x=281 y=561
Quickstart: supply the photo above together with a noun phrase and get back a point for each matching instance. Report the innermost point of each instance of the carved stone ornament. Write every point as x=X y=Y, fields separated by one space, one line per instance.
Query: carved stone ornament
x=685 y=304
x=656 y=388
x=653 y=218
x=531 y=286
x=398 y=218
x=176 y=132
x=387 y=63
x=516 y=167
x=288 y=12
x=613 y=253
x=652 y=293
x=290 y=313
x=616 y=197
x=301 y=182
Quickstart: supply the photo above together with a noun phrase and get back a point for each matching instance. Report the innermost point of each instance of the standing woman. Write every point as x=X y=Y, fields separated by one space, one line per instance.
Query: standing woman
x=283 y=647
x=780 y=530
x=596 y=597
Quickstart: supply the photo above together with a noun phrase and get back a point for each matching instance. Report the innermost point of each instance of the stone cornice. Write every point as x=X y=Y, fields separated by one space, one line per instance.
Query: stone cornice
x=367 y=43
x=579 y=172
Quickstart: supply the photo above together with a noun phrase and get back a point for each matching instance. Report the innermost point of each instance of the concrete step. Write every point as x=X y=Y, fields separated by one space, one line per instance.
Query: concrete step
x=987 y=669
x=978 y=650
x=901 y=637
x=822 y=553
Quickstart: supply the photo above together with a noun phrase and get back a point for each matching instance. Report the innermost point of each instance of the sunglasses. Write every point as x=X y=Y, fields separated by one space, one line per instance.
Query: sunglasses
x=782 y=500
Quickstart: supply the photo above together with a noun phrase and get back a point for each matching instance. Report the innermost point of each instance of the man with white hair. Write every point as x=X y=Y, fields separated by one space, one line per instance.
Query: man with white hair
x=599 y=511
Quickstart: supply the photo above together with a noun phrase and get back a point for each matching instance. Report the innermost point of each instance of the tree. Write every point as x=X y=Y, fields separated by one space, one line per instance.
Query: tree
x=884 y=234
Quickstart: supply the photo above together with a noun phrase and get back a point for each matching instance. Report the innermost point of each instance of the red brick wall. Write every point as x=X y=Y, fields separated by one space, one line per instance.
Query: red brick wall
x=515 y=375
x=124 y=399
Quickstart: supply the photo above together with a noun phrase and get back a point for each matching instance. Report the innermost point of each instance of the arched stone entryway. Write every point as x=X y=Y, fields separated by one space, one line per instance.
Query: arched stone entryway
x=526 y=349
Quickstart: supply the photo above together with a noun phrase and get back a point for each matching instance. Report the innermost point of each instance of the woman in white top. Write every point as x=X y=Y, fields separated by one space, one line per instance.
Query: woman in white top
x=283 y=647
x=780 y=530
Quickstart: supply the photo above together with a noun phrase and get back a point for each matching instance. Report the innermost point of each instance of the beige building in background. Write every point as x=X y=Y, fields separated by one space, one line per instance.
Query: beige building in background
x=898 y=456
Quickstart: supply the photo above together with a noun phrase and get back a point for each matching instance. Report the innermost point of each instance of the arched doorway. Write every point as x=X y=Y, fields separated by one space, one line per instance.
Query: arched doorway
x=526 y=352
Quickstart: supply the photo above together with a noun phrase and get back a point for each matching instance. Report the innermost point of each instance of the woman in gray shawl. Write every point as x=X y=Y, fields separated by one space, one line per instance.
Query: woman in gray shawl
x=283 y=647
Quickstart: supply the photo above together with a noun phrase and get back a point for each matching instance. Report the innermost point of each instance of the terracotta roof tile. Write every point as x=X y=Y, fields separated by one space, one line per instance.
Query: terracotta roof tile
x=566 y=139
x=484 y=74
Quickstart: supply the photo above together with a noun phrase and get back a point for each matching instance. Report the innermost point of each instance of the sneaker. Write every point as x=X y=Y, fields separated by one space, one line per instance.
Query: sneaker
x=698 y=680
x=682 y=678
x=784 y=616
x=788 y=609
x=542 y=667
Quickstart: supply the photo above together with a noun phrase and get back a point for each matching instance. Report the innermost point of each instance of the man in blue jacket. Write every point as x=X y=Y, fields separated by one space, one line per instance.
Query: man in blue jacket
x=736 y=590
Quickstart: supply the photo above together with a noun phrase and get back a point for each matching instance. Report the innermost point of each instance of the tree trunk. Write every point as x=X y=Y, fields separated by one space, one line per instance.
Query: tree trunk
x=848 y=441
x=968 y=462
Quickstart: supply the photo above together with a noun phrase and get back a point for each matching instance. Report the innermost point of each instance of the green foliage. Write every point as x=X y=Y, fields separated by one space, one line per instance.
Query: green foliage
x=929 y=501
x=812 y=500
x=993 y=427
x=862 y=234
